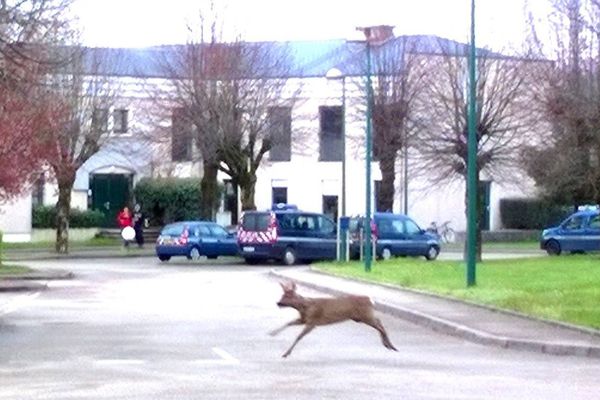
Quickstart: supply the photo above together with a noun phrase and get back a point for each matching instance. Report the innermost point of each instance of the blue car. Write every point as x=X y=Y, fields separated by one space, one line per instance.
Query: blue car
x=194 y=239
x=579 y=233
x=396 y=235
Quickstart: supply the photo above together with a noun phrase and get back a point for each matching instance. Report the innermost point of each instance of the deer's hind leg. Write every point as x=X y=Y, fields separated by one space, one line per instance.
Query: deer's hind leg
x=376 y=323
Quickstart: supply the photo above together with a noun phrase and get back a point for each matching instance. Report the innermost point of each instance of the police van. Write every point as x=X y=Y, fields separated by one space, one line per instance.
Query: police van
x=286 y=234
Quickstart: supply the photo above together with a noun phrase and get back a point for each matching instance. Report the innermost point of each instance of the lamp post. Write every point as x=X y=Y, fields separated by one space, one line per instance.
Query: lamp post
x=367 y=225
x=472 y=161
x=336 y=74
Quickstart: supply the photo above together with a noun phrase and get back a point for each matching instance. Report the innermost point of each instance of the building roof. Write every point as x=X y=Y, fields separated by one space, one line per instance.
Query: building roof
x=306 y=58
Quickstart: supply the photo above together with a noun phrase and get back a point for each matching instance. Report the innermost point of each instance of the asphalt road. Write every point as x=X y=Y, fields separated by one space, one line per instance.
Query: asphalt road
x=139 y=329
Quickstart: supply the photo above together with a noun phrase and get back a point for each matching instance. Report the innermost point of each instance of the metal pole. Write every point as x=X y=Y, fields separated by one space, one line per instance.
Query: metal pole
x=343 y=146
x=368 y=254
x=472 y=161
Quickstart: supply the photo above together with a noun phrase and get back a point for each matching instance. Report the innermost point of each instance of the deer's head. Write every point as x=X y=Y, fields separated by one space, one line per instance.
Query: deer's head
x=290 y=297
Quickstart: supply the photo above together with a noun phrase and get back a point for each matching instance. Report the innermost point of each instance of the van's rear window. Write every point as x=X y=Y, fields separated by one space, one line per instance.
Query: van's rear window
x=256 y=222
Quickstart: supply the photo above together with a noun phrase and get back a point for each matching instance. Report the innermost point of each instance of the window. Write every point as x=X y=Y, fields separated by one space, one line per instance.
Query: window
x=37 y=194
x=331 y=133
x=575 y=222
x=411 y=227
x=218 y=231
x=280 y=130
x=100 y=120
x=595 y=222
x=330 y=207
x=279 y=195
x=326 y=226
x=181 y=136
x=120 y=120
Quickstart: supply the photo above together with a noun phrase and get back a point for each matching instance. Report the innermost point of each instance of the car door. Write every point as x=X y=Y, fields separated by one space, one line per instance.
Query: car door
x=208 y=243
x=306 y=236
x=416 y=241
x=592 y=233
x=226 y=243
x=326 y=238
x=572 y=233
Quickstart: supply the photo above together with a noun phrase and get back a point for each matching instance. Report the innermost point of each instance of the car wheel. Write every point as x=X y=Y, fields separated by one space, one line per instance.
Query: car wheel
x=553 y=248
x=386 y=253
x=289 y=256
x=194 y=254
x=432 y=253
x=164 y=258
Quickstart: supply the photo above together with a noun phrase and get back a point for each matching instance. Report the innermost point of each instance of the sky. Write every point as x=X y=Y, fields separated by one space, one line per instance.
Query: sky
x=139 y=23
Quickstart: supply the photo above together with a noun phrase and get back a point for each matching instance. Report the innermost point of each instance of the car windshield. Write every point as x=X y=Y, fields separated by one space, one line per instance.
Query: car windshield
x=255 y=221
x=575 y=222
x=173 y=230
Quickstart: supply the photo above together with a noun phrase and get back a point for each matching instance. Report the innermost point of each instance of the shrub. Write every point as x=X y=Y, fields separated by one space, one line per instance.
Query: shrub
x=531 y=213
x=166 y=200
x=45 y=217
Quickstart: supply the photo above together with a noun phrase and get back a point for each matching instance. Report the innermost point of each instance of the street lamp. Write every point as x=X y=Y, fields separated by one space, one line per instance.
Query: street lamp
x=367 y=225
x=336 y=74
x=472 y=160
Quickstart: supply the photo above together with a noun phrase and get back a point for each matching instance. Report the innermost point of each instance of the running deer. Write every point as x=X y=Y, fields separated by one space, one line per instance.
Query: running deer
x=324 y=311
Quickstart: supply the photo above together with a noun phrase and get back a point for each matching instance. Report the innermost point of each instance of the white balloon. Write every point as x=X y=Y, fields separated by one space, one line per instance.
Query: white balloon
x=128 y=233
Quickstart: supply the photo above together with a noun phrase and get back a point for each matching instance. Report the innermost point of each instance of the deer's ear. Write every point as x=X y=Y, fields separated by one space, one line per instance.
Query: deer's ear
x=284 y=286
x=293 y=286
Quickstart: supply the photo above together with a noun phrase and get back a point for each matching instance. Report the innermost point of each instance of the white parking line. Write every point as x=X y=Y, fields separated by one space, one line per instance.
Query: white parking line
x=122 y=361
x=18 y=302
x=225 y=356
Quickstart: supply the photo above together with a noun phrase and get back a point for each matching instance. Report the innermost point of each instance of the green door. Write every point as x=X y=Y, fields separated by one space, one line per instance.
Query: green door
x=110 y=193
x=484 y=192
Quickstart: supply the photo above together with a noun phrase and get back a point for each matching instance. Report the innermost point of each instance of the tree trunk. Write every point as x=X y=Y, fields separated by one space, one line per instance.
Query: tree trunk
x=63 y=212
x=209 y=195
x=248 y=189
x=385 y=197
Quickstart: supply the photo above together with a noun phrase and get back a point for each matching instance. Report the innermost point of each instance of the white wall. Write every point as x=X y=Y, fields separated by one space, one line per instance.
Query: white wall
x=15 y=219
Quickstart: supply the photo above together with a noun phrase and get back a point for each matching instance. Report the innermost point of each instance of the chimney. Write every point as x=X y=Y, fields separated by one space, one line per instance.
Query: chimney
x=378 y=34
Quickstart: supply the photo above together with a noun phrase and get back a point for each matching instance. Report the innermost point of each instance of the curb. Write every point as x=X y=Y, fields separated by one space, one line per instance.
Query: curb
x=21 y=286
x=451 y=328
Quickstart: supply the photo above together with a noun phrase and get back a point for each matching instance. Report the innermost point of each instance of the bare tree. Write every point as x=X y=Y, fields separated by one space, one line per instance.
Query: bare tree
x=565 y=165
x=225 y=95
x=82 y=96
x=504 y=119
x=399 y=80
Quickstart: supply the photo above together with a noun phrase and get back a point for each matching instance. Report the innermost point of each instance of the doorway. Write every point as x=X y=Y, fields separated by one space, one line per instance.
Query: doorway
x=110 y=193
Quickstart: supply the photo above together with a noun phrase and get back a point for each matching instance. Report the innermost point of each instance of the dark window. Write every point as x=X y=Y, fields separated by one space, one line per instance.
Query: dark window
x=280 y=130
x=181 y=136
x=331 y=140
x=218 y=231
x=330 y=207
x=37 y=196
x=256 y=221
x=279 y=195
x=100 y=119
x=120 y=120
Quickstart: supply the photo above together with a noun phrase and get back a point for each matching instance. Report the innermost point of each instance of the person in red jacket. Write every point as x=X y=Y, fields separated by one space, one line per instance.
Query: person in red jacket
x=125 y=219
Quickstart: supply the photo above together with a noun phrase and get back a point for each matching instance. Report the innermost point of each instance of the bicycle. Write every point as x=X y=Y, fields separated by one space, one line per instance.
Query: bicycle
x=444 y=231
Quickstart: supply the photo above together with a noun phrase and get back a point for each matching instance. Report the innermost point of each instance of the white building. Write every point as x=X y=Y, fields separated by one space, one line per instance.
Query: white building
x=305 y=177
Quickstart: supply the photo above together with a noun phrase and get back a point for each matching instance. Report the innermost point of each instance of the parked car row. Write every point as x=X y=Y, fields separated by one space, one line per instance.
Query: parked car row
x=288 y=235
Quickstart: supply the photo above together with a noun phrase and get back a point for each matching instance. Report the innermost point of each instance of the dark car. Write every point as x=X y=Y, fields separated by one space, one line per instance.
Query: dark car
x=194 y=239
x=287 y=235
x=580 y=232
x=395 y=235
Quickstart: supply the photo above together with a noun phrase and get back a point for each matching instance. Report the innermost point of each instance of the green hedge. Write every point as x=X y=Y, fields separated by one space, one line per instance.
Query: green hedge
x=45 y=217
x=165 y=200
x=531 y=213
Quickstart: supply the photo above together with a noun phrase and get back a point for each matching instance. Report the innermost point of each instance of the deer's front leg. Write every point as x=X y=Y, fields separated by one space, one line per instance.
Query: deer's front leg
x=304 y=332
x=297 y=321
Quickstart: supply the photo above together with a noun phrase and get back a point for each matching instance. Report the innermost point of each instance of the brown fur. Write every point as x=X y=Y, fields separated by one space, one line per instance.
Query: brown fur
x=324 y=311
